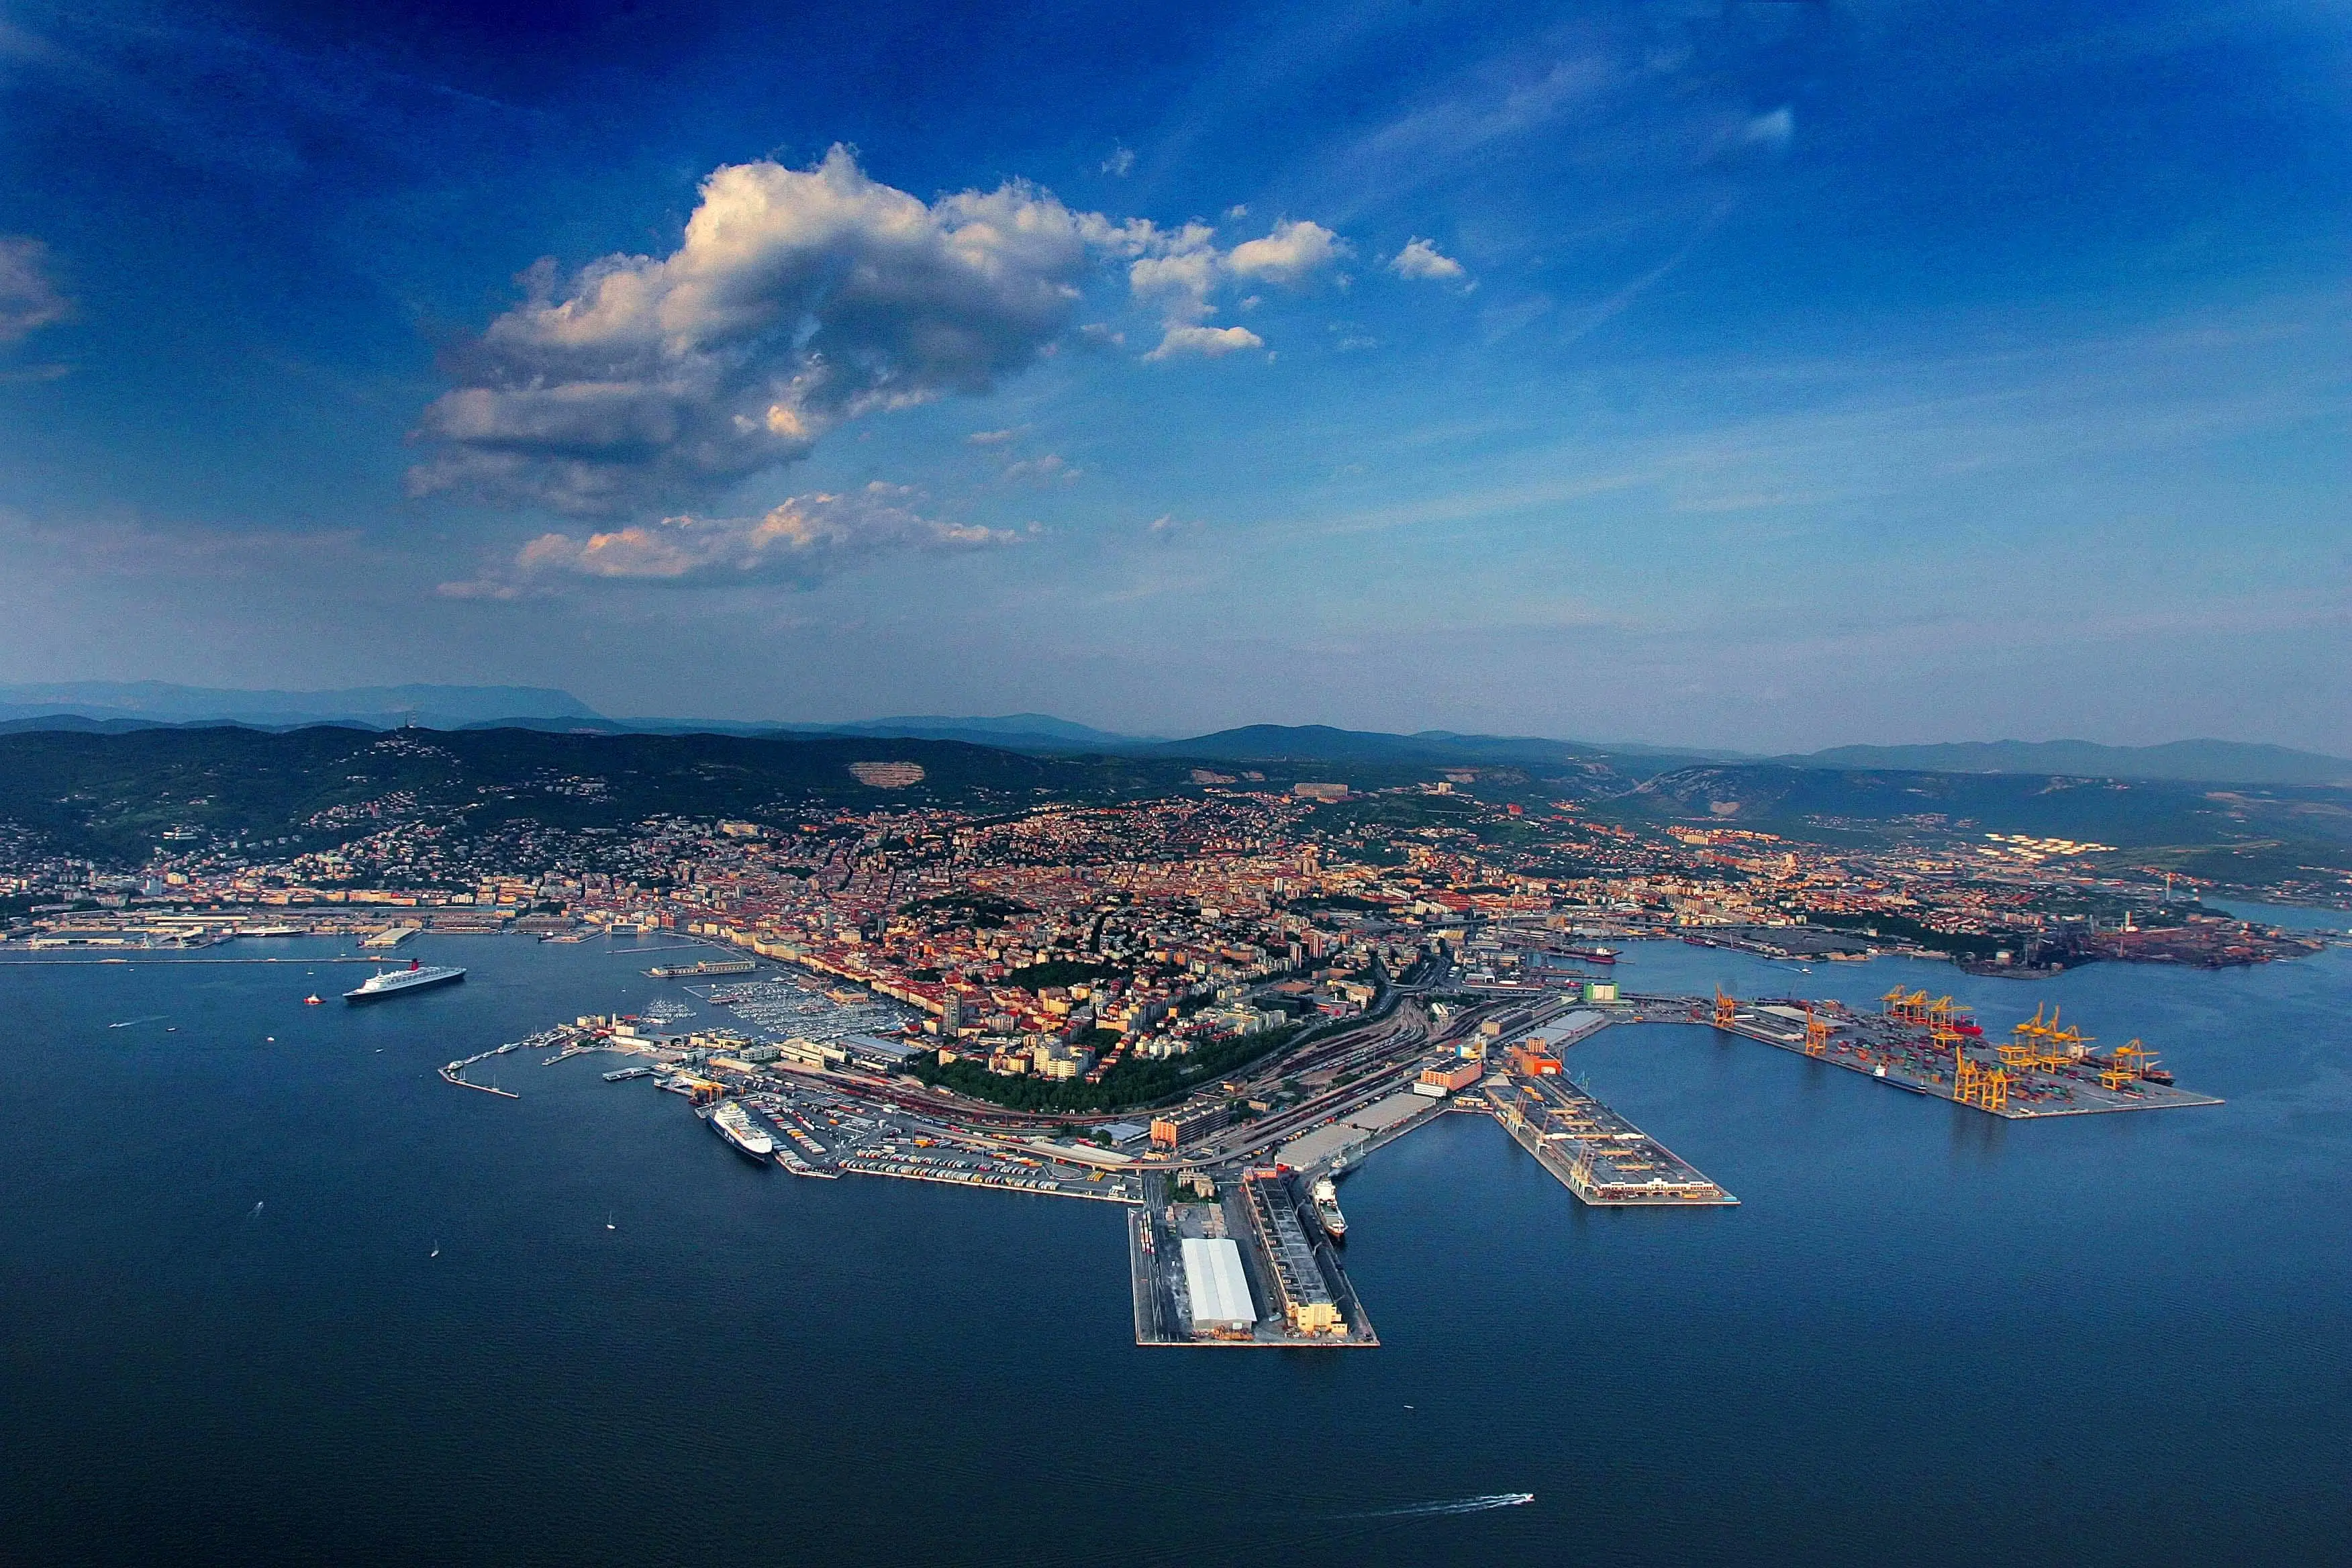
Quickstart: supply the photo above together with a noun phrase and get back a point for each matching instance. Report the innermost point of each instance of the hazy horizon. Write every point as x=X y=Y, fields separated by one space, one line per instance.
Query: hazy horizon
x=344 y=701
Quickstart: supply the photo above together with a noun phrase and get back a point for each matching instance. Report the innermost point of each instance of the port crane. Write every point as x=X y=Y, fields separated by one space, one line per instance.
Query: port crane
x=2131 y=1060
x=2025 y=1039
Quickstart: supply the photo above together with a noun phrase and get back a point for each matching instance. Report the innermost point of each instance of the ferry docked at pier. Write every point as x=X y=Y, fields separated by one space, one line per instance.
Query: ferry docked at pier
x=1326 y=1209
x=732 y=1122
x=417 y=976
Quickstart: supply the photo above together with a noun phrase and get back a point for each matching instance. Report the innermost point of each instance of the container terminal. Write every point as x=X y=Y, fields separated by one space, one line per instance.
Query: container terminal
x=1233 y=1224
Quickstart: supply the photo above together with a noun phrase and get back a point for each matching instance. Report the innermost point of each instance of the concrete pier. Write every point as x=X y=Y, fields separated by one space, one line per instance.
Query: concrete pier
x=1599 y=1155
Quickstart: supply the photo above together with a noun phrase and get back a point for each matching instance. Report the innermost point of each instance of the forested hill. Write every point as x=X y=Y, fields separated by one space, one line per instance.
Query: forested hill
x=116 y=797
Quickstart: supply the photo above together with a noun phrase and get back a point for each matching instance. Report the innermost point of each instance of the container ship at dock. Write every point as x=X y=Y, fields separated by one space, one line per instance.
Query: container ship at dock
x=398 y=981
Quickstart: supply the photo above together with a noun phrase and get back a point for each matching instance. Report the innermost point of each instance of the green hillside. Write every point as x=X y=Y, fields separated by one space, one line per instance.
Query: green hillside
x=114 y=796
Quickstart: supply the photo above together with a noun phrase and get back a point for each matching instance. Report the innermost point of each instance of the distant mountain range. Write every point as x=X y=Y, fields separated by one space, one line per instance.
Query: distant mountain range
x=112 y=706
x=2195 y=762
x=379 y=707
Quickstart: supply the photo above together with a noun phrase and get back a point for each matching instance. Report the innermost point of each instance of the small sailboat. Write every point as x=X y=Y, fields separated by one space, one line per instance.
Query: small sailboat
x=313 y=1000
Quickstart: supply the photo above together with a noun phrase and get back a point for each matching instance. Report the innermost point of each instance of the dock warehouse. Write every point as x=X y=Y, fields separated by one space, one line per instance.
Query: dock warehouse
x=1219 y=1290
x=1324 y=1143
x=1388 y=1112
x=1565 y=1031
x=884 y=1055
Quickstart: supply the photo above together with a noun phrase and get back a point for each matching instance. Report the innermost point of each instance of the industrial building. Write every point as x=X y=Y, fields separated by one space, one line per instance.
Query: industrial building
x=1533 y=1060
x=1182 y=1128
x=1444 y=1078
x=1336 y=1141
x=1218 y=1289
x=877 y=1053
x=1298 y=1284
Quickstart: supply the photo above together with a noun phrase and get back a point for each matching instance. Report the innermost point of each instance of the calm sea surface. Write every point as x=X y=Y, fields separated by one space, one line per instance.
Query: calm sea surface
x=1925 y=1337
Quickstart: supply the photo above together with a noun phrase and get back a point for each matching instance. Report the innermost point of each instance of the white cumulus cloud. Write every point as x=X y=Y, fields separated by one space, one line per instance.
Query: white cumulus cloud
x=29 y=300
x=1176 y=270
x=1420 y=258
x=1041 y=470
x=797 y=299
x=1208 y=343
x=802 y=540
x=1296 y=249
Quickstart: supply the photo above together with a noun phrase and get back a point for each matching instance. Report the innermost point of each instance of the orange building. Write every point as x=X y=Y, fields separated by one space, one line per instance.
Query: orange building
x=1532 y=1061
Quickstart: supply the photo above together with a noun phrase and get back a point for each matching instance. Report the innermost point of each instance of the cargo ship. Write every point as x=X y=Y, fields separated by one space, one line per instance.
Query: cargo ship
x=1326 y=1209
x=1588 y=954
x=732 y=1122
x=394 y=982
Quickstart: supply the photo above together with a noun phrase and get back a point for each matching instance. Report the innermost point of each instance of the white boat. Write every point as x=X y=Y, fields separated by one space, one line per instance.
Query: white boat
x=732 y=1122
x=394 y=982
x=1326 y=1209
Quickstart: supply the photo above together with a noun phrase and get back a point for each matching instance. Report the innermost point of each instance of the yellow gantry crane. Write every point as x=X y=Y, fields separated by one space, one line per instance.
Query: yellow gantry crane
x=1907 y=1006
x=2060 y=1047
x=1817 y=1033
x=2046 y=1043
x=2025 y=1040
x=1726 y=1009
x=1986 y=1089
x=1947 y=1039
x=2068 y=1037
x=2131 y=1060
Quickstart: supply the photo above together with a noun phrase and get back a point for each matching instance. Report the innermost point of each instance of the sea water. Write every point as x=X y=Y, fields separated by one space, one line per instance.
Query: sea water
x=1925 y=1336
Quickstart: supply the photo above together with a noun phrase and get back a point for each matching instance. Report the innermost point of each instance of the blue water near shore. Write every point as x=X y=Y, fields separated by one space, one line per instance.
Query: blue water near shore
x=1925 y=1337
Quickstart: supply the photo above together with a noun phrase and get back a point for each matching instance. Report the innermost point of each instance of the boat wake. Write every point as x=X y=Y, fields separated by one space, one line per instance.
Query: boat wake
x=1458 y=1505
x=151 y=1018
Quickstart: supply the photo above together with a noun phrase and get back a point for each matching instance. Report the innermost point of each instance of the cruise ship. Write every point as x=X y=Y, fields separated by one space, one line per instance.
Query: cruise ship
x=732 y=1122
x=394 y=982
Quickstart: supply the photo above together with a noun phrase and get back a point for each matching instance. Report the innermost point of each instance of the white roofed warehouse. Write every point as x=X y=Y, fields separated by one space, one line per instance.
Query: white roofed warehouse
x=1219 y=1290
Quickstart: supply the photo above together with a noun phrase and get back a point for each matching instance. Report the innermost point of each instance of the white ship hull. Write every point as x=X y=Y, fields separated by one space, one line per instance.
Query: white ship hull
x=401 y=982
x=732 y=1122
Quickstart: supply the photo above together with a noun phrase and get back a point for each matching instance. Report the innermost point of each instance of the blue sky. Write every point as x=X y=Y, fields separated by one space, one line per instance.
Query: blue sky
x=1759 y=375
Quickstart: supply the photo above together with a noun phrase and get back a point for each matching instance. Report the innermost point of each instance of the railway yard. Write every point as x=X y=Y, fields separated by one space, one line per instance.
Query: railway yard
x=1228 y=1242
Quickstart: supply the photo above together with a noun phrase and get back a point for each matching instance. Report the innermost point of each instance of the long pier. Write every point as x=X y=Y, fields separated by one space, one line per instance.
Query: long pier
x=455 y=1072
x=1598 y=1154
x=124 y=955
x=1887 y=1052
